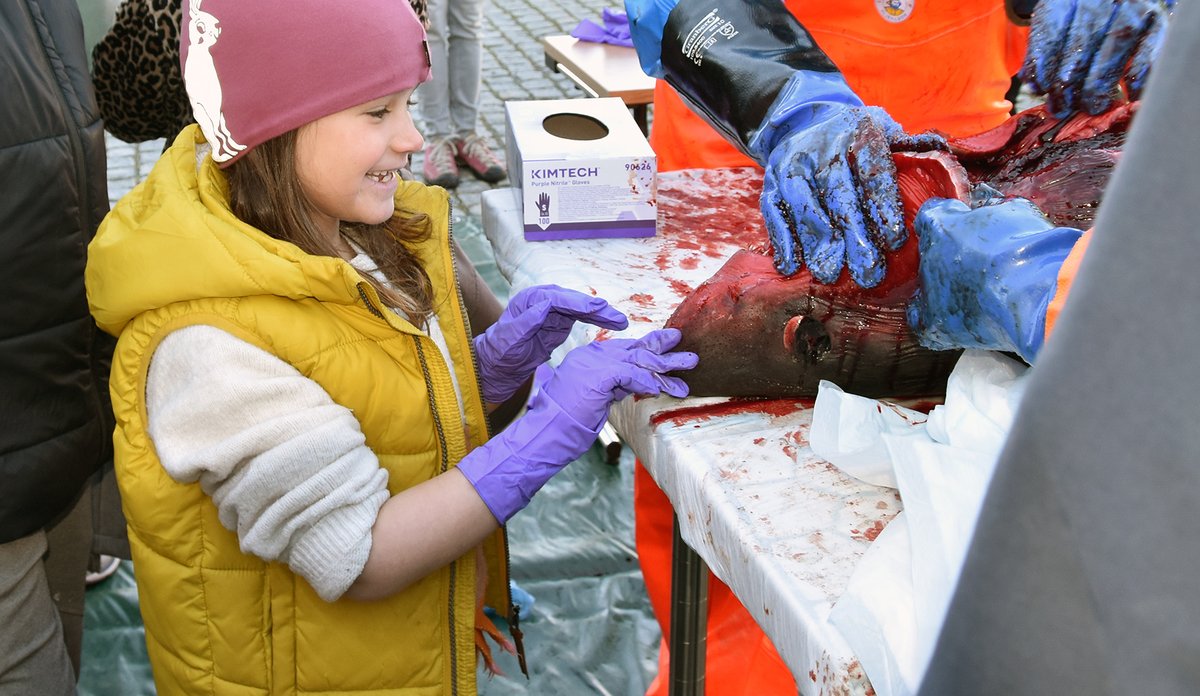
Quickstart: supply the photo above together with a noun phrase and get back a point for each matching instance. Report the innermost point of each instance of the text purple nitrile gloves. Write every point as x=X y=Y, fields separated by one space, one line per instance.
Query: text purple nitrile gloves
x=536 y=321
x=567 y=413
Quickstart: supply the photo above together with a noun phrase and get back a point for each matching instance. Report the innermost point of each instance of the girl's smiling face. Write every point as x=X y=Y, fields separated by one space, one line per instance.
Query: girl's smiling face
x=348 y=162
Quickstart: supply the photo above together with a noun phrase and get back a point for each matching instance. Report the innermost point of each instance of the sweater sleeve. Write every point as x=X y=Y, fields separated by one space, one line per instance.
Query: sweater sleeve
x=286 y=466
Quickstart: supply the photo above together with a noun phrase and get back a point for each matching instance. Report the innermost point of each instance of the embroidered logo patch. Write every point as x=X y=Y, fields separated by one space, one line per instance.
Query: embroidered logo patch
x=895 y=10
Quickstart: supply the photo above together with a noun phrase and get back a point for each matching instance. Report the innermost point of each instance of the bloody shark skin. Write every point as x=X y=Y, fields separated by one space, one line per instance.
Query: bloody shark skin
x=762 y=334
x=759 y=333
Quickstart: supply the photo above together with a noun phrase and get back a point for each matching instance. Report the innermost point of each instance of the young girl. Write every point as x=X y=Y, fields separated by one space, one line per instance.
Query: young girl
x=313 y=501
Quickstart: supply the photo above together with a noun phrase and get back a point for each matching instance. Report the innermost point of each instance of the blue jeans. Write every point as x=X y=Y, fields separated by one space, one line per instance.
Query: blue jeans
x=449 y=102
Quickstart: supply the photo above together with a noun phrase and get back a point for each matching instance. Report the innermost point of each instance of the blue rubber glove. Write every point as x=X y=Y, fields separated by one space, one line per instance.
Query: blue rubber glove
x=830 y=198
x=567 y=413
x=987 y=275
x=536 y=321
x=646 y=21
x=1080 y=51
x=750 y=69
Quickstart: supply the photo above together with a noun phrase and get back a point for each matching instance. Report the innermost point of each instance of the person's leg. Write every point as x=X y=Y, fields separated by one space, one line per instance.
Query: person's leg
x=464 y=35
x=33 y=656
x=465 y=29
x=433 y=101
x=433 y=96
x=70 y=544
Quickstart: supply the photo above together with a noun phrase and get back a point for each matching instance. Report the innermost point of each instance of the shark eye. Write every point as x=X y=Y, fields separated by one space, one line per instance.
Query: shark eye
x=807 y=338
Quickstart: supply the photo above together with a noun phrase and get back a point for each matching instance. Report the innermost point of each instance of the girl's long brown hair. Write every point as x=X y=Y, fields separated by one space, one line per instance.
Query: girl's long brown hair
x=265 y=191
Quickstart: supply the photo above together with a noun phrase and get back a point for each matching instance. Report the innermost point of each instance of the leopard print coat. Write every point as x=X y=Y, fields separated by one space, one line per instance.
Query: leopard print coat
x=136 y=72
x=135 y=68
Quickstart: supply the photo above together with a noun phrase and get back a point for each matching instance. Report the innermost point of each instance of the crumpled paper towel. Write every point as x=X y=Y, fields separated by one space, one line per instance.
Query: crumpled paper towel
x=847 y=431
x=896 y=601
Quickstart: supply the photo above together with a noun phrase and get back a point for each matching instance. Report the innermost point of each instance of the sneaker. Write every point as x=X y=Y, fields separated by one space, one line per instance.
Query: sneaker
x=479 y=158
x=440 y=169
x=108 y=566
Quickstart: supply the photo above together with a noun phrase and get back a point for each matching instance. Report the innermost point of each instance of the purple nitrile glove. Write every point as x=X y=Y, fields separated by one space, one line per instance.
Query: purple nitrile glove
x=615 y=30
x=567 y=413
x=536 y=321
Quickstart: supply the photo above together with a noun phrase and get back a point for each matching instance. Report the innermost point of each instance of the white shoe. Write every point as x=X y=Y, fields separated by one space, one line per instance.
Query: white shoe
x=108 y=566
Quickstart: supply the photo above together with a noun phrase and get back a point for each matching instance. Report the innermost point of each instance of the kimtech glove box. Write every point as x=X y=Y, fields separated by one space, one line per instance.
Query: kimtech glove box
x=583 y=168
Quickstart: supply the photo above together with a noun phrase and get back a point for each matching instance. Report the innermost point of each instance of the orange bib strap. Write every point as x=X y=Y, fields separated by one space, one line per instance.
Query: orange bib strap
x=1066 y=276
x=683 y=140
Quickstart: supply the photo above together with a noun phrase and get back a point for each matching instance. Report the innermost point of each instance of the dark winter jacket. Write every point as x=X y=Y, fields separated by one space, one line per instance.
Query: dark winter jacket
x=55 y=418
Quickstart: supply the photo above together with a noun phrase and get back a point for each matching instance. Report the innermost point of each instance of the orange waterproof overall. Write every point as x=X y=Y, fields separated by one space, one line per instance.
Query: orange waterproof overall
x=946 y=64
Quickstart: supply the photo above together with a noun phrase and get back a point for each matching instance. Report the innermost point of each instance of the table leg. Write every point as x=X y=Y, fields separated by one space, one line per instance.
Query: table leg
x=611 y=443
x=639 y=116
x=689 y=618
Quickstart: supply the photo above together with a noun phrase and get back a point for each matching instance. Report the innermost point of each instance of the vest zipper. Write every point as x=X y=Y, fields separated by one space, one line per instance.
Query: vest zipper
x=462 y=306
x=443 y=467
x=514 y=626
x=514 y=620
x=362 y=292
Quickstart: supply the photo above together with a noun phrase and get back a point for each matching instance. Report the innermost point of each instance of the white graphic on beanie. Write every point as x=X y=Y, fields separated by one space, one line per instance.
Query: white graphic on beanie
x=203 y=86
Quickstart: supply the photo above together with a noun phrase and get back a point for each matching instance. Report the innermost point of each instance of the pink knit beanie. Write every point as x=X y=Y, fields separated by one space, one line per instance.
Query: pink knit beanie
x=255 y=69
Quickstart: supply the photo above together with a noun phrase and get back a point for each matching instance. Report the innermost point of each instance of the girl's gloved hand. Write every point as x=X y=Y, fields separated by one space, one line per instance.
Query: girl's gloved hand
x=593 y=377
x=536 y=321
x=566 y=414
x=1080 y=51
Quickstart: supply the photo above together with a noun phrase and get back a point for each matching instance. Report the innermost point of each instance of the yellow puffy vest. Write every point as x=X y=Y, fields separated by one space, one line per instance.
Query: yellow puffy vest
x=219 y=621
